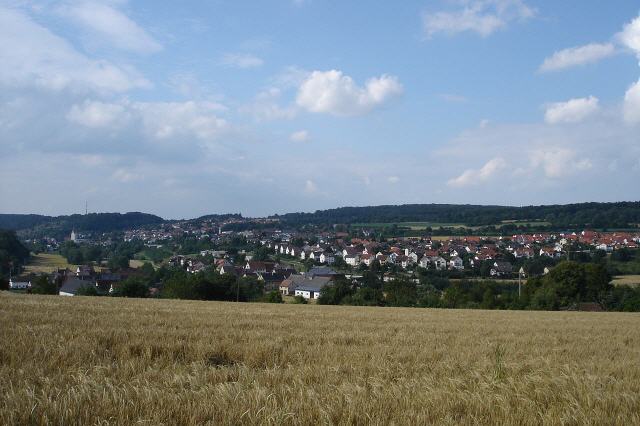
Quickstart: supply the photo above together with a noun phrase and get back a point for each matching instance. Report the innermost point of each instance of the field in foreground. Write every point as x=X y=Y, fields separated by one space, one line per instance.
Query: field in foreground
x=123 y=361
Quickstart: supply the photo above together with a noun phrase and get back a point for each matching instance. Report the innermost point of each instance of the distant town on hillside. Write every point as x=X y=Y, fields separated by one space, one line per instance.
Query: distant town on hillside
x=409 y=255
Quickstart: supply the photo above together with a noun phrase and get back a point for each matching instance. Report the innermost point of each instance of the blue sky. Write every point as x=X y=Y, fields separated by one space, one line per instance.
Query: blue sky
x=196 y=107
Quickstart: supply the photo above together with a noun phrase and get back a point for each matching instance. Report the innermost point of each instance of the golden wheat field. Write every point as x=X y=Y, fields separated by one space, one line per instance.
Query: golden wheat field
x=88 y=361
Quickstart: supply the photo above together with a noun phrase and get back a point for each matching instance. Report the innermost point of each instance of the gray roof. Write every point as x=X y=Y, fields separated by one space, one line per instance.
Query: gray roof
x=72 y=285
x=321 y=270
x=315 y=284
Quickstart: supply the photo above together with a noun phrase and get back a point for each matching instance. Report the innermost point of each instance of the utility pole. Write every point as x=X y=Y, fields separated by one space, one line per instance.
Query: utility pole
x=520 y=272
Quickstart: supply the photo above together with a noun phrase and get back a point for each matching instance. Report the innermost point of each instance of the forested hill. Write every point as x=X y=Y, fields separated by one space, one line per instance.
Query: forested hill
x=94 y=222
x=597 y=215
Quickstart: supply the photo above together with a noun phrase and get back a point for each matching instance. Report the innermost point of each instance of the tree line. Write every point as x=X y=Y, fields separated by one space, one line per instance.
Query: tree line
x=597 y=215
x=13 y=254
x=567 y=286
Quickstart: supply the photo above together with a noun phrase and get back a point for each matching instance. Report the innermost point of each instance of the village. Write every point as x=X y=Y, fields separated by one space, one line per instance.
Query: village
x=302 y=262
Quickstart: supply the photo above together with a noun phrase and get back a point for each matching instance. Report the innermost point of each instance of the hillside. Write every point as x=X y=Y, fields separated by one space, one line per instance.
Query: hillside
x=62 y=225
x=124 y=361
x=583 y=215
x=612 y=215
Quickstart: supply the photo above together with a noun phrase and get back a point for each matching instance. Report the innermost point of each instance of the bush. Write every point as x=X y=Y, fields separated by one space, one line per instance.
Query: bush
x=299 y=300
x=42 y=285
x=274 y=297
x=132 y=287
x=87 y=290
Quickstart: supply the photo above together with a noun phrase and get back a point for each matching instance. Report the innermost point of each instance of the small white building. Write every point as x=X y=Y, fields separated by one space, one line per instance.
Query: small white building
x=352 y=260
x=19 y=285
x=456 y=263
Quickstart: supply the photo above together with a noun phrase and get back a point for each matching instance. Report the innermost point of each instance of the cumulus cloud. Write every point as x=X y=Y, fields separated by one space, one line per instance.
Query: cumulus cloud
x=32 y=56
x=310 y=187
x=334 y=93
x=96 y=114
x=630 y=35
x=125 y=176
x=576 y=56
x=630 y=38
x=483 y=17
x=299 y=136
x=241 y=60
x=267 y=106
x=164 y=120
x=632 y=104
x=158 y=120
x=113 y=26
x=572 y=111
x=478 y=176
x=559 y=162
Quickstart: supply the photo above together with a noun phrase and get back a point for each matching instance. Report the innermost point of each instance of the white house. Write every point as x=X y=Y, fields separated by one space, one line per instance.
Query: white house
x=327 y=258
x=456 y=263
x=439 y=262
x=19 y=285
x=352 y=260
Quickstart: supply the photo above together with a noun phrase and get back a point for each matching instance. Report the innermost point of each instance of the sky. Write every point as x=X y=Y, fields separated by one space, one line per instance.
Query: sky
x=195 y=107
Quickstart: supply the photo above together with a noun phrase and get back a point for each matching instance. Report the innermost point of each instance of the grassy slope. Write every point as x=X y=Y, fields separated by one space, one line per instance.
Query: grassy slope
x=47 y=263
x=88 y=361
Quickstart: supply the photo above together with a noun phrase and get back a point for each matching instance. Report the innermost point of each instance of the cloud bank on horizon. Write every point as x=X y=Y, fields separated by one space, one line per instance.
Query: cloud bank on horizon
x=182 y=110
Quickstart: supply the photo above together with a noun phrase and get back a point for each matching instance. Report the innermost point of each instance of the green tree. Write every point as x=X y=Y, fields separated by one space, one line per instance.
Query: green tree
x=87 y=290
x=401 y=292
x=261 y=254
x=118 y=262
x=42 y=285
x=622 y=255
x=365 y=296
x=299 y=300
x=274 y=296
x=132 y=287
x=334 y=293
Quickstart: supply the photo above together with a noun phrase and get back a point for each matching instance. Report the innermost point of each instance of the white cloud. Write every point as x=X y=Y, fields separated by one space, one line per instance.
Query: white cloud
x=557 y=163
x=32 y=56
x=632 y=104
x=159 y=120
x=334 y=93
x=475 y=177
x=310 y=187
x=630 y=35
x=112 y=25
x=241 y=60
x=576 y=56
x=164 y=120
x=96 y=114
x=124 y=176
x=299 y=136
x=483 y=17
x=266 y=106
x=572 y=111
x=393 y=179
